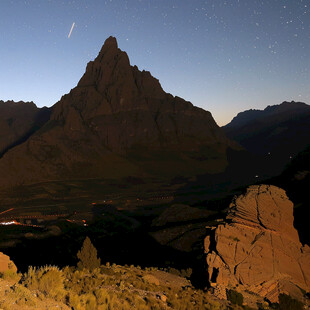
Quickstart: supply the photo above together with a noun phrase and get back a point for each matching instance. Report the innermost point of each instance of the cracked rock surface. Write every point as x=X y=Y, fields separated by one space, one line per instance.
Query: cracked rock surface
x=258 y=248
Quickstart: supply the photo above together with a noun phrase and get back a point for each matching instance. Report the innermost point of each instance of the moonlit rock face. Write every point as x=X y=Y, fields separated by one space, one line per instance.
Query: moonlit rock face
x=258 y=249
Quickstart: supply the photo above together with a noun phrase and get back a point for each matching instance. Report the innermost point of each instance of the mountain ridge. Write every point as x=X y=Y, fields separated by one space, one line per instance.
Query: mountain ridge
x=276 y=134
x=246 y=116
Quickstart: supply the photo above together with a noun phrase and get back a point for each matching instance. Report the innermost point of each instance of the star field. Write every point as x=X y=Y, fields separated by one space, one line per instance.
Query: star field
x=224 y=56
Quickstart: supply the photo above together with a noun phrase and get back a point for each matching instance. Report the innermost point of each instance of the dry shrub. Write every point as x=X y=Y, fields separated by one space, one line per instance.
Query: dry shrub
x=49 y=280
x=234 y=297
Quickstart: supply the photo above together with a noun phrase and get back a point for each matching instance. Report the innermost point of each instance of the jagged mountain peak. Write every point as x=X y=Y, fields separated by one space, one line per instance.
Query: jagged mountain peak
x=118 y=121
x=110 y=45
x=114 y=78
x=110 y=63
x=110 y=42
x=110 y=87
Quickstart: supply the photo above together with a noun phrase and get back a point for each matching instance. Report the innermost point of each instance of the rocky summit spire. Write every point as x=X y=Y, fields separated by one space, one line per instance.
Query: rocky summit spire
x=110 y=66
x=110 y=47
x=110 y=42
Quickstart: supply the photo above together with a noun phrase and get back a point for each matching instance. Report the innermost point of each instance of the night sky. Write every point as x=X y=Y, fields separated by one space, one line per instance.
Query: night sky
x=224 y=56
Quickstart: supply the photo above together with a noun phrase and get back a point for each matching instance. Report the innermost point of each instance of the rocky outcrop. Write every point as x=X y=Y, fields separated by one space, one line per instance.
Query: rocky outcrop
x=6 y=263
x=118 y=122
x=258 y=248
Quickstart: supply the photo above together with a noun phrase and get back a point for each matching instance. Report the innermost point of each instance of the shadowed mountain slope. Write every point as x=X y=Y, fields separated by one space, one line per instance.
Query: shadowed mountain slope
x=280 y=128
x=118 y=121
x=276 y=134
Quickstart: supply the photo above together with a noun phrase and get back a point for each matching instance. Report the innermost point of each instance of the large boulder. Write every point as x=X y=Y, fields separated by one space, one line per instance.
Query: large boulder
x=258 y=248
x=6 y=263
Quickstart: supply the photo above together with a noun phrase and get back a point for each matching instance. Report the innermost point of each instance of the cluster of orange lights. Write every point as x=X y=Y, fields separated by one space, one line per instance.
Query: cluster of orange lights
x=13 y=222
x=74 y=221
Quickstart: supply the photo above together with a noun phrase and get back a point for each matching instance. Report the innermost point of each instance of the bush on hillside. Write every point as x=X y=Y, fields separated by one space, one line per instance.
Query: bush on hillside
x=88 y=256
x=234 y=297
x=49 y=280
x=286 y=302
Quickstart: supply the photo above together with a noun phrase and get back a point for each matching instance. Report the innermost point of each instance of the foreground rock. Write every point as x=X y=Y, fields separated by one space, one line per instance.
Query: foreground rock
x=6 y=264
x=258 y=249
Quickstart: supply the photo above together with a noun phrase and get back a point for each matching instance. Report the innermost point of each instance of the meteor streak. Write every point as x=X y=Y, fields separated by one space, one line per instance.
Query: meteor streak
x=71 y=30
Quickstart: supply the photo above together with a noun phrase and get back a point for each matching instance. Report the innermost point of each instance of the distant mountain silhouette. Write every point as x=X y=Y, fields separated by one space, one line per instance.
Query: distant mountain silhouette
x=281 y=112
x=118 y=122
x=18 y=121
x=279 y=131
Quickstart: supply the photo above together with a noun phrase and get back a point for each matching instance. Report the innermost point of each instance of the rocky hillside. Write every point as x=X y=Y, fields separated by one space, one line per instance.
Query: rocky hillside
x=116 y=122
x=106 y=287
x=257 y=249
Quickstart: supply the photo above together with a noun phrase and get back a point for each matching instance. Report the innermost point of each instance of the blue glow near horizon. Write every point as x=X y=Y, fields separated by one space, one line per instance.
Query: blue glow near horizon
x=224 y=56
